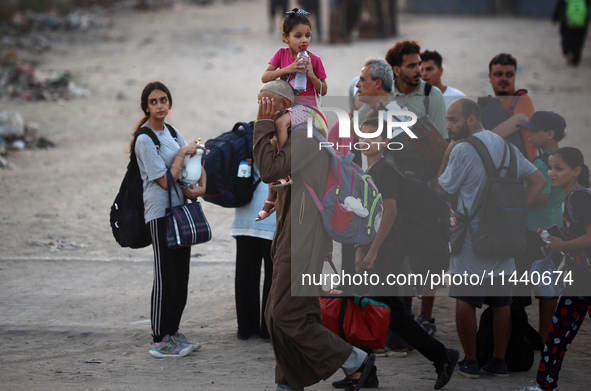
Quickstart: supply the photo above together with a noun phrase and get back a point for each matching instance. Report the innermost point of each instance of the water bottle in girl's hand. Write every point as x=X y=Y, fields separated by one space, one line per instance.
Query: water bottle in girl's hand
x=301 y=80
x=544 y=235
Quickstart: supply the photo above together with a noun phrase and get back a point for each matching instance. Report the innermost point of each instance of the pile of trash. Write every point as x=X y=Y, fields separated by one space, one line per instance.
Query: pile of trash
x=21 y=79
x=16 y=135
x=27 y=29
x=27 y=34
x=39 y=31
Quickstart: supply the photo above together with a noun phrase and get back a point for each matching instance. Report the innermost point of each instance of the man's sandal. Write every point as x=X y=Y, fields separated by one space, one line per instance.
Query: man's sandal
x=263 y=214
x=371 y=381
x=365 y=370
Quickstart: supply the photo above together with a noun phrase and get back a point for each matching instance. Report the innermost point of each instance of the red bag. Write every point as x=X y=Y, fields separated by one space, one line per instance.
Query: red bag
x=361 y=321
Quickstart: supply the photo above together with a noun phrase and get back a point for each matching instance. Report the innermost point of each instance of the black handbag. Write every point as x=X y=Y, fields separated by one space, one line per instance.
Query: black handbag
x=186 y=224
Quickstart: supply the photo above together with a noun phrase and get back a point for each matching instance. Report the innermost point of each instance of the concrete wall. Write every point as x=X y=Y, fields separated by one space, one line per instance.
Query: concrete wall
x=538 y=8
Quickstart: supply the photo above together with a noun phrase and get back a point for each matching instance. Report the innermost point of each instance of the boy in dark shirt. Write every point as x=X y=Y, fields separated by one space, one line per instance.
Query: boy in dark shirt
x=384 y=255
x=378 y=256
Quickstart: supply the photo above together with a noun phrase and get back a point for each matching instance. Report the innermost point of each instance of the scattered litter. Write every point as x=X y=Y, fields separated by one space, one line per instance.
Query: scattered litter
x=32 y=28
x=12 y=125
x=57 y=245
x=92 y=361
x=28 y=33
x=16 y=135
x=4 y=164
x=22 y=80
x=18 y=145
x=141 y=321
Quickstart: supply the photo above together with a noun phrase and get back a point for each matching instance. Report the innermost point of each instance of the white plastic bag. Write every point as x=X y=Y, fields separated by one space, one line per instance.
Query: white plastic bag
x=546 y=280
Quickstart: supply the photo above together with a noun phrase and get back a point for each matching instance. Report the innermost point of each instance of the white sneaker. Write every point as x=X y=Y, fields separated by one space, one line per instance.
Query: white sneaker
x=387 y=352
x=170 y=347
x=179 y=337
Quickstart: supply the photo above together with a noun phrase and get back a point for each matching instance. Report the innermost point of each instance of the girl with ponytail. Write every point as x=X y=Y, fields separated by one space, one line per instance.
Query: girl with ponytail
x=567 y=170
x=171 y=266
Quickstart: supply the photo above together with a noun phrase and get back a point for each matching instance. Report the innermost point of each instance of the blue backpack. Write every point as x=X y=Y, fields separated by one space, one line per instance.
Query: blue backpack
x=351 y=206
x=224 y=187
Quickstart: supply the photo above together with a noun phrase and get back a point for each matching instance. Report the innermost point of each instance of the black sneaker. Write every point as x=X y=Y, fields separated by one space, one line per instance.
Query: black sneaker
x=495 y=367
x=370 y=382
x=444 y=374
x=469 y=369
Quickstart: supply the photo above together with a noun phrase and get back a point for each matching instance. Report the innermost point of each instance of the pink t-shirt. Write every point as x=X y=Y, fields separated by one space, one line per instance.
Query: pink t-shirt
x=283 y=58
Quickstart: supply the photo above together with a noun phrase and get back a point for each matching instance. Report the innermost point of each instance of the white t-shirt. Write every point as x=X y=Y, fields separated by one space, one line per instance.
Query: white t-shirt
x=450 y=95
x=153 y=164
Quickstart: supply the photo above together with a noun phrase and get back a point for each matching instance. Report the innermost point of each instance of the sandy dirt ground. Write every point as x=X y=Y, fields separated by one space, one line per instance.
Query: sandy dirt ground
x=75 y=307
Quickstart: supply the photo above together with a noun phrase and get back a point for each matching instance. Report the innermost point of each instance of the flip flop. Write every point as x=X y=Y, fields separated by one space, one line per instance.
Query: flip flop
x=263 y=214
x=282 y=183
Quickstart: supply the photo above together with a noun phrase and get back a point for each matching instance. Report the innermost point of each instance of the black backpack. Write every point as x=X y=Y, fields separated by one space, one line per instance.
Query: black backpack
x=127 y=212
x=502 y=228
x=423 y=155
x=524 y=339
x=423 y=218
x=224 y=186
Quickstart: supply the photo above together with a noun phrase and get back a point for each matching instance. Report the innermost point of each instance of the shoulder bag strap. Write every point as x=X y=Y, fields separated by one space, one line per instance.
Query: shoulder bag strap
x=320 y=138
x=484 y=155
x=489 y=166
x=568 y=205
x=512 y=169
x=248 y=129
x=342 y=312
x=543 y=157
x=515 y=99
x=170 y=184
x=398 y=170
x=426 y=98
x=147 y=131
x=172 y=132
x=245 y=125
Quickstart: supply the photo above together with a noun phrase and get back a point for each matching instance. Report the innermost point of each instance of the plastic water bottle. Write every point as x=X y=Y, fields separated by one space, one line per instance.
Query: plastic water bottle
x=544 y=235
x=301 y=81
x=243 y=169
